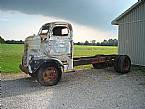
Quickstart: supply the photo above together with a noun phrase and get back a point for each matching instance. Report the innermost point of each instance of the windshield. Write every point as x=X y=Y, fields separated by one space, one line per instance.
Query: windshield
x=60 y=31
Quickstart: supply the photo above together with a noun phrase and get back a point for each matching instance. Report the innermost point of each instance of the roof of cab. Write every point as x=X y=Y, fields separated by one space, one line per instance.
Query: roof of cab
x=59 y=23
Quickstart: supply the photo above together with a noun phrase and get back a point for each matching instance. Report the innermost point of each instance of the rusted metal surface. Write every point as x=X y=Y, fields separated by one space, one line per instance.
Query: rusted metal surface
x=50 y=74
x=98 y=59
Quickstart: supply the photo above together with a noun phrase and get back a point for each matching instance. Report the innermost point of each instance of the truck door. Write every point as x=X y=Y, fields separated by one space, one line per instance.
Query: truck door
x=60 y=41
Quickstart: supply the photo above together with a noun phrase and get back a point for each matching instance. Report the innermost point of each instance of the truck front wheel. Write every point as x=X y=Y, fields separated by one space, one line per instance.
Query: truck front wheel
x=49 y=75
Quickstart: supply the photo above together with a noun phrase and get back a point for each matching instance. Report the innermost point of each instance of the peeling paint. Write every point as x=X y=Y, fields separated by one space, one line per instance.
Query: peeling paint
x=54 y=40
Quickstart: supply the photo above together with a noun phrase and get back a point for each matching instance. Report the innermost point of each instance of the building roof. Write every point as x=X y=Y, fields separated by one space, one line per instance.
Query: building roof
x=115 y=21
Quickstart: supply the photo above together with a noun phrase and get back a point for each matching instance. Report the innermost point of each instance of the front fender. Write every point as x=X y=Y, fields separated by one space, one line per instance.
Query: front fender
x=36 y=64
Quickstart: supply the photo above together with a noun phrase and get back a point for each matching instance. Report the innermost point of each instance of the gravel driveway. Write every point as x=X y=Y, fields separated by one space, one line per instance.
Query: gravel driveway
x=86 y=89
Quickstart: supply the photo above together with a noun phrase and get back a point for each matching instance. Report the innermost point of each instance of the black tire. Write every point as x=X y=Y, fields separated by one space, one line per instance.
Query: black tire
x=99 y=66
x=116 y=63
x=123 y=64
x=49 y=75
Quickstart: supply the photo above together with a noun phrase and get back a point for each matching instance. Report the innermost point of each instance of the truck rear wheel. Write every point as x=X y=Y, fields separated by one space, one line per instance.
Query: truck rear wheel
x=116 y=63
x=49 y=76
x=122 y=64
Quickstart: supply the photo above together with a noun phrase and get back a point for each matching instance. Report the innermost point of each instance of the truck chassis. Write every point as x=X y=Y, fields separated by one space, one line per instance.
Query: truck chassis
x=53 y=72
x=121 y=63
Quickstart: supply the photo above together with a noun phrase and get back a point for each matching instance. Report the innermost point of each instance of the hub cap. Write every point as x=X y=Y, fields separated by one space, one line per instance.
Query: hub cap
x=50 y=74
x=126 y=64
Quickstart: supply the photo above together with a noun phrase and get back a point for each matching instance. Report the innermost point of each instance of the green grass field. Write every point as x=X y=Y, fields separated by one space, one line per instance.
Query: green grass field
x=11 y=54
x=80 y=50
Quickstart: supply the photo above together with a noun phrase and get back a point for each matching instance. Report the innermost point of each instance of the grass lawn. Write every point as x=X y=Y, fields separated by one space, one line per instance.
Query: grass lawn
x=11 y=54
x=10 y=57
x=82 y=50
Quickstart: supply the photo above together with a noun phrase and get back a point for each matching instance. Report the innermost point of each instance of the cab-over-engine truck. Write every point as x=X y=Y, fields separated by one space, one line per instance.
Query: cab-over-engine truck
x=49 y=53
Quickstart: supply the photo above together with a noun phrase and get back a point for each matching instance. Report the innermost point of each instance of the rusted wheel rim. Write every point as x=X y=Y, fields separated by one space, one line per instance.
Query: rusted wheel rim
x=50 y=74
x=126 y=64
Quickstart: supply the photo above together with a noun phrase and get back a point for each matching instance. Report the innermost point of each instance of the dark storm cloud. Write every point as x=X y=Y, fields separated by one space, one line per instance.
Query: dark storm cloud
x=87 y=12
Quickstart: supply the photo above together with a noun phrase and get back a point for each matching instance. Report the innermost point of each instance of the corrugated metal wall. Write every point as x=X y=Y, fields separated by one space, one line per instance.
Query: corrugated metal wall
x=132 y=35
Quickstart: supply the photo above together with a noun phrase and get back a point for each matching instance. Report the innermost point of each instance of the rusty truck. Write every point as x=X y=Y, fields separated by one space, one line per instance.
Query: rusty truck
x=50 y=53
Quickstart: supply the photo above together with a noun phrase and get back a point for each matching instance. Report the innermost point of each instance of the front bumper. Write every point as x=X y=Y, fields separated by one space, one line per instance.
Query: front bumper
x=24 y=69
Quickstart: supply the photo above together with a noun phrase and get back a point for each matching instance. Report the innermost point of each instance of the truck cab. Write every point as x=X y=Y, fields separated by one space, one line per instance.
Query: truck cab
x=52 y=46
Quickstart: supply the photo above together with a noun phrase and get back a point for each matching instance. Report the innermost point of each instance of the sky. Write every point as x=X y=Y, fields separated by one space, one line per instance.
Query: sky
x=91 y=19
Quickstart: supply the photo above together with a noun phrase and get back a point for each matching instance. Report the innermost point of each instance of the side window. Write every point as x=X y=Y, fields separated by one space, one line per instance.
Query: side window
x=60 y=31
x=44 y=32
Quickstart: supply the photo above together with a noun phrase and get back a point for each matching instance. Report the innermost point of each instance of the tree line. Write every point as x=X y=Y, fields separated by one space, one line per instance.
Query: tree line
x=2 y=41
x=110 y=42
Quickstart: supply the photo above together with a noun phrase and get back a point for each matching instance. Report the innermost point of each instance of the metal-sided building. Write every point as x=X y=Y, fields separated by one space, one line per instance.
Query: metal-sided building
x=131 y=33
